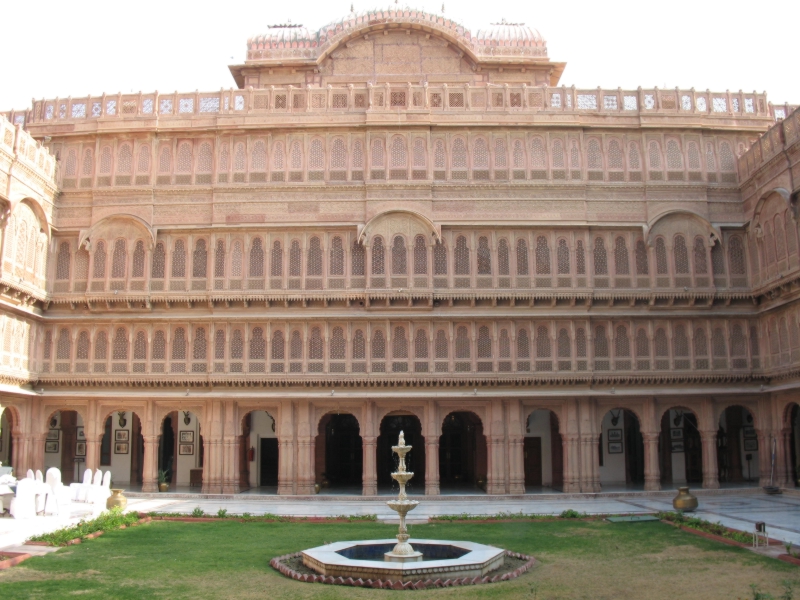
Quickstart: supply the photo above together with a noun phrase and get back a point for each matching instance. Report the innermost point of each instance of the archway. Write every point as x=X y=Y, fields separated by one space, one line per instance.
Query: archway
x=680 y=448
x=6 y=438
x=339 y=454
x=386 y=462
x=621 y=450
x=793 y=451
x=65 y=445
x=462 y=453
x=122 y=449
x=180 y=451
x=737 y=447
x=543 y=452
x=258 y=453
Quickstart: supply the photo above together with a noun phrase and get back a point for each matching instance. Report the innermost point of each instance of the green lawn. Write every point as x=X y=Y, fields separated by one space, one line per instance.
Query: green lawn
x=229 y=559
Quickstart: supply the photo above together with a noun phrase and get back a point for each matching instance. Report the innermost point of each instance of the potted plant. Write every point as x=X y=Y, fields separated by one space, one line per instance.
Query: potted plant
x=163 y=484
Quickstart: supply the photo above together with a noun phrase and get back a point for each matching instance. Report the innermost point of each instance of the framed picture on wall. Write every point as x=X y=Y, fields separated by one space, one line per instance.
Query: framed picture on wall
x=677 y=447
x=614 y=435
x=51 y=447
x=52 y=434
x=121 y=435
x=80 y=434
x=187 y=437
x=120 y=447
x=749 y=431
x=751 y=445
x=676 y=434
x=615 y=447
x=80 y=449
x=185 y=449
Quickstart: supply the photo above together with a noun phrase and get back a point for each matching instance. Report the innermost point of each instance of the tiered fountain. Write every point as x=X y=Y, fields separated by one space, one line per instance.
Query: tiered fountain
x=386 y=561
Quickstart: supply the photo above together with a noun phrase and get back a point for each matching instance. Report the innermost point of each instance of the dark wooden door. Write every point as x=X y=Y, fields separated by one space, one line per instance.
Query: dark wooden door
x=557 y=453
x=532 y=449
x=269 y=462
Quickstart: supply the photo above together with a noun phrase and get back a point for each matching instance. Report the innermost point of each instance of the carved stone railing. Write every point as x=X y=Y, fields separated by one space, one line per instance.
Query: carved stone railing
x=27 y=151
x=775 y=140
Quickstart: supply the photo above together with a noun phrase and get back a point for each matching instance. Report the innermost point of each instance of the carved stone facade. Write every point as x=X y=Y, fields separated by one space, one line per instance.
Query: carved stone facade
x=397 y=219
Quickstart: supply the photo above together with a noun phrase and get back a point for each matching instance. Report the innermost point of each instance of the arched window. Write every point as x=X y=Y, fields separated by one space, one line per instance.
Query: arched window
x=700 y=260
x=421 y=345
x=258 y=161
x=296 y=346
x=440 y=259
x=219 y=345
x=642 y=264
x=137 y=271
x=399 y=343
x=71 y=164
x=558 y=154
x=461 y=256
x=462 y=343
x=484 y=256
x=359 y=345
x=62 y=261
x=542 y=256
x=736 y=255
x=718 y=259
x=480 y=154
x=314 y=267
x=738 y=346
x=500 y=155
x=296 y=157
x=674 y=156
x=522 y=257
x=399 y=156
x=256 y=258
x=681 y=255
x=378 y=256
x=278 y=346
x=205 y=158
x=542 y=342
x=358 y=155
x=594 y=156
x=278 y=158
x=458 y=155
x=600 y=258
x=336 y=259
x=399 y=257
x=125 y=162
x=105 y=161
x=574 y=156
x=237 y=348
x=357 y=258
x=523 y=344
x=718 y=345
x=634 y=163
x=184 y=162
x=580 y=258
x=538 y=157
x=726 y=161
x=377 y=154
x=88 y=162
x=237 y=254
x=661 y=344
x=159 y=345
x=439 y=156
x=419 y=154
x=680 y=342
x=257 y=344
x=140 y=347
x=661 y=257
x=420 y=256
x=621 y=263
x=338 y=155
x=564 y=348
x=100 y=347
x=655 y=156
x=316 y=156
x=199 y=259
x=642 y=344
x=600 y=343
x=503 y=267
x=200 y=345
x=179 y=344
x=179 y=259
x=99 y=271
x=484 y=342
x=337 y=346
x=276 y=260
x=159 y=261
x=378 y=346
x=118 y=260
x=519 y=156
x=295 y=259
x=442 y=347
x=81 y=351
x=562 y=257
x=693 y=153
x=224 y=158
x=316 y=350
x=614 y=155
x=580 y=344
x=219 y=259
x=711 y=162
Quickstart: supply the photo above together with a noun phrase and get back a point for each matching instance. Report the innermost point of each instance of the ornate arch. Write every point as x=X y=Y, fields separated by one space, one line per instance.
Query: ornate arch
x=719 y=409
x=680 y=220
x=322 y=412
x=789 y=198
x=38 y=211
x=123 y=225
x=405 y=222
x=660 y=412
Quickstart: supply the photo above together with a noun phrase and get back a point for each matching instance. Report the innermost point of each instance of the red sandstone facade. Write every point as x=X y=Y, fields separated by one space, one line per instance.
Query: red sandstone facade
x=394 y=216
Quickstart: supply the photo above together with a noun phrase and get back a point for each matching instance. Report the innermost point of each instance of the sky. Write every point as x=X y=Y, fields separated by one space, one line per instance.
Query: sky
x=59 y=49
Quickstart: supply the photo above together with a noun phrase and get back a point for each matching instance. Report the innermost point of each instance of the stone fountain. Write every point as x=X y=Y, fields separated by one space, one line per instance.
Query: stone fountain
x=402 y=552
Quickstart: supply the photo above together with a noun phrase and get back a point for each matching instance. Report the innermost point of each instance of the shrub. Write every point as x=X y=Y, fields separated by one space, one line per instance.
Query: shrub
x=198 y=512
x=572 y=514
x=222 y=513
x=107 y=521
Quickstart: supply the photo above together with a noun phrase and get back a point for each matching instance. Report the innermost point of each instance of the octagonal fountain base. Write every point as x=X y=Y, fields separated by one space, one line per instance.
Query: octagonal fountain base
x=441 y=559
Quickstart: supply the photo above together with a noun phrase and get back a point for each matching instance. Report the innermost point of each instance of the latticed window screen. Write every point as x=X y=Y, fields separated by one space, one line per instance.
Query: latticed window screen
x=88 y=162
x=522 y=257
x=642 y=344
x=700 y=261
x=314 y=268
x=399 y=343
x=336 y=258
x=439 y=259
x=378 y=345
x=219 y=344
x=642 y=267
x=594 y=158
x=258 y=161
x=655 y=156
x=634 y=163
x=542 y=256
x=199 y=259
x=694 y=156
x=359 y=345
x=125 y=161
x=661 y=344
x=82 y=349
x=257 y=258
x=558 y=154
x=219 y=259
x=480 y=154
x=484 y=342
x=519 y=155
x=700 y=342
x=538 y=157
x=295 y=259
x=200 y=344
x=99 y=270
x=680 y=342
x=296 y=156
x=500 y=155
x=621 y=263
x=357 y=257
x=179 y=344
x=236 y=259
x=378 y=256
x=420 y=256
x=674 y=156
x=780 y=239
x=600 y=257
x=296 y=346
x=159 y=345
x=718 y=346
x=564 y=347
x=736 y=255
x=184 y=163
x=439 y=156
x=442 y=346
x=563 y=257
x=205 y=158
x=502 y=257
x=179 y=259
x=71 y=164
x=278 y=157
x=62 y=261
x=399 y=256
x=139 y=346
x=120 y=346
x=224 y=158
x=614 y=155
x=237 y=345
x=278 y=346
x=580 y=258
x=681 y=255
x=338 y=154
x=523 y=344
x=574 y=156
x=337 y=346
x=711 y=162
x=459 y=154
x=622 y=345
x=419 y=154
x=105 y=161
x=316 y=156
x=377 y=154
x=399 y=158
x=504 y=344
x=726 y=161
x=138 y=260
x=315 y=345
x=101 y=346
x=63 y=345
x=358 y=155
x=461 y=256
x=738 y=344
x=462 y=343
x=542 y=342
x=580 y=342
x=600 y=342
x=661 y=257
x=484 y=256
x=276 y=260
x=754 y=349
x=420 y=344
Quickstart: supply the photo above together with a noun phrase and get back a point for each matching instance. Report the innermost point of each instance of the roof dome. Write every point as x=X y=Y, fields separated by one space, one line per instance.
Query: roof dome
x=284 y=35
x=508 y=34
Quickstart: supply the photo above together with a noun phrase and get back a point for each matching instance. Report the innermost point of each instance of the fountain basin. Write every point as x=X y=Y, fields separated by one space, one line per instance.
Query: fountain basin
x=441 y=559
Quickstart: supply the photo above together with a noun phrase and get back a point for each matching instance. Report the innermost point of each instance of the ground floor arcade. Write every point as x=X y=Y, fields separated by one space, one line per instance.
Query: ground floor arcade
x=470 y=442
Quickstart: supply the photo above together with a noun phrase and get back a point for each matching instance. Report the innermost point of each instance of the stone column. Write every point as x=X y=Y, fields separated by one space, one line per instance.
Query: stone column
x=213 y=462
x=590 y=460
x=93 y=430
x=495 y=480
x=150 y=466
x=516 y=460
x=369 y=475
x=302 y=475
x=286 y=474
x=652 y=471
x=708 y=440
x=571 y=445
x=230 y=449
x=431 y=465
x=783 y=458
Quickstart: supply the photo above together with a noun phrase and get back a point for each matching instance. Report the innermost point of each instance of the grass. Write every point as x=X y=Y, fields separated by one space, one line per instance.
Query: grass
x=229 y=559
x=107 y=521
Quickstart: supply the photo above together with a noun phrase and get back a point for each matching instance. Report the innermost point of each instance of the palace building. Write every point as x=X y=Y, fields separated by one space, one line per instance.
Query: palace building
x=394 y=222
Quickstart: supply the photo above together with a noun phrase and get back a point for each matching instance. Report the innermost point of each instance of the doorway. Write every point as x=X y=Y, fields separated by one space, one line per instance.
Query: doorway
x=268 y=460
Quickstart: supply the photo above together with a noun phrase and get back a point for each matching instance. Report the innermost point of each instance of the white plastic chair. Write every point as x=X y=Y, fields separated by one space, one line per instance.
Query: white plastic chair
x=60 y=498
x=98 y=477
x=79 y=490
x=29 y=474
x=39 y=476
x=23 y=506
x=100 y=493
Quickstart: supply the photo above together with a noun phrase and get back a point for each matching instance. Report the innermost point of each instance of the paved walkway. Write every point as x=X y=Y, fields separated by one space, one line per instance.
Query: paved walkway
x=739 y=509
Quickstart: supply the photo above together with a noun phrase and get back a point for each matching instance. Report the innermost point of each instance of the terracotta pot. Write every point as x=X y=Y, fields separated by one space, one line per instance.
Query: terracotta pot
x=116 y=499
x=163 y=487
x=684 y=501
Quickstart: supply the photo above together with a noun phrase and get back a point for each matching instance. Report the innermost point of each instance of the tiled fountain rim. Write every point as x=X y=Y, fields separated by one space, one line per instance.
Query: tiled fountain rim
x=387 y=584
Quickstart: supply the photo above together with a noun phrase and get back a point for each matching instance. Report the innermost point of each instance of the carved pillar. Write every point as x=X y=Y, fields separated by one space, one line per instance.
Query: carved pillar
x=369 y=476
x=652 y=472
x=495 y=480
x=431 y=465
x=708 y=439
x=589 y=463
x=514 y=447
x=150 y=466
x=303 y=475
x=765 y=458
x=230 y=449
x=783 y=458
x=571 y=444
x=213 y=462
x=93 y=432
